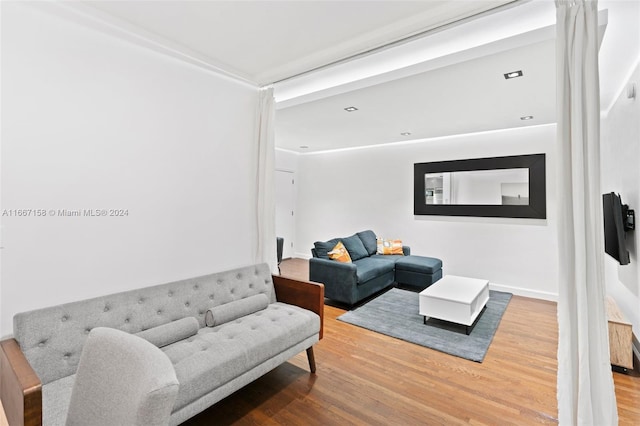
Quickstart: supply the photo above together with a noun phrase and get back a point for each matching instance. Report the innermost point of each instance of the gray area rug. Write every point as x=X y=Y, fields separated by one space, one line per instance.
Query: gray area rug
x=395 y=313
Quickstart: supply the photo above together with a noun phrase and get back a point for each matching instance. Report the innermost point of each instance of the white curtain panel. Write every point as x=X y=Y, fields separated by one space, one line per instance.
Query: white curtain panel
x=585 y=382
x=266 y=204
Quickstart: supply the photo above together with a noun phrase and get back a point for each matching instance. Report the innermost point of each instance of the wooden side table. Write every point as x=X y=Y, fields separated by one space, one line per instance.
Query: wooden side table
x=620 y=336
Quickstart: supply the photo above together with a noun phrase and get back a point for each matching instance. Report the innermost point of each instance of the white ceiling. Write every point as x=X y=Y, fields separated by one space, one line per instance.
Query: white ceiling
x=460 y=91
x=447 y=82
x=267 y=41
x=466 y=97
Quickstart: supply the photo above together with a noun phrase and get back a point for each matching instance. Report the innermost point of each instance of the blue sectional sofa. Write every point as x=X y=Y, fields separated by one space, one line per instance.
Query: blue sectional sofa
x=352 y=282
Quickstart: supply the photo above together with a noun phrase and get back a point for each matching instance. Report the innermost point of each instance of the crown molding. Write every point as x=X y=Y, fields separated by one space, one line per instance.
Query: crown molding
x=83 y=14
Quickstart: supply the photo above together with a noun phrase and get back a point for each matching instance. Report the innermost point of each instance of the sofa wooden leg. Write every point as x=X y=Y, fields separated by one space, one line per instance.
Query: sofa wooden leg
x=312 y=360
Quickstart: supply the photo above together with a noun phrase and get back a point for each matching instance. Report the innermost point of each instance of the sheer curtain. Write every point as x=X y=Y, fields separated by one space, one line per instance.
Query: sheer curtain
x=266 y=205
x=585 y=383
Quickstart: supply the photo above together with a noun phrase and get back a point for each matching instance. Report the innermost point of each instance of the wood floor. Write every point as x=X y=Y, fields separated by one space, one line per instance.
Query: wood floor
x=366 y=378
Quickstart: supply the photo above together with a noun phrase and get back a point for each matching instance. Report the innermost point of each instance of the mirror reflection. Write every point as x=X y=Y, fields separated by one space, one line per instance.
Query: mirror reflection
x=478 y=187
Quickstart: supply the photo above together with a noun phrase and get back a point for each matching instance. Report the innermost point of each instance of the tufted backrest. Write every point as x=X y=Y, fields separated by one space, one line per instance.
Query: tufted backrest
x=52 y=338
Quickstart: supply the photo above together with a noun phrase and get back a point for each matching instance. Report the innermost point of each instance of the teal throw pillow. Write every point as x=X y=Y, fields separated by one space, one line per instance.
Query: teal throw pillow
x=324 y=247
x=369 y=240
x=355 y=247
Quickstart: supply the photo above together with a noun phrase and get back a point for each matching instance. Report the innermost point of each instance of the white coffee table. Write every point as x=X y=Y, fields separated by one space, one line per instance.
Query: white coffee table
x=455 y=299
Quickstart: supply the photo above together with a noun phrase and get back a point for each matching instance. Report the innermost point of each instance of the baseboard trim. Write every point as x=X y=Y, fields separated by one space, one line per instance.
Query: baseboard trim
x=518 y=291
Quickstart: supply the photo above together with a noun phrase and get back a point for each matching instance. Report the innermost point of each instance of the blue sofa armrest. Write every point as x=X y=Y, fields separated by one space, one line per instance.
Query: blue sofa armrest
x=339 y=279
x=324 y=270
x=406 y=250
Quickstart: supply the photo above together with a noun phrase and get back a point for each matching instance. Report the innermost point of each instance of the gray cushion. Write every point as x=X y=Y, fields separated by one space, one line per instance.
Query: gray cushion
x=388 y=257
x=354 y=246
x=122 y=380
x=219 y=354
x=55 y=401
x=237 y=309
x=369 y=268
x=52 y=338
x=172 y=332
x=324 y=247
x=369 y=241
x=425 y=265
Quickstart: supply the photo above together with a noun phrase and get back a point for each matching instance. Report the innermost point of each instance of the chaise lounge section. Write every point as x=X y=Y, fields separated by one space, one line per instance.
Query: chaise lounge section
x=418 y=271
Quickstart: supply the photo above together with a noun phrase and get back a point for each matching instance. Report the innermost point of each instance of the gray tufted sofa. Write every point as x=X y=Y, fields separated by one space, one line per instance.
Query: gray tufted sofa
x=38 y=366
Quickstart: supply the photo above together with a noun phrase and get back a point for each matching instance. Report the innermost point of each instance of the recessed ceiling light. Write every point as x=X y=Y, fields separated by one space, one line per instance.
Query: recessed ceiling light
x=405 y=133
x=527 y=117
x=304 y=146
x=351 y=109
x=513 y=74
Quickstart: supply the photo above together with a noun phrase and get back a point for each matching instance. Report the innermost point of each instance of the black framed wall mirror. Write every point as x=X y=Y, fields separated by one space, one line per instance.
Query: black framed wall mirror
x=512 y=186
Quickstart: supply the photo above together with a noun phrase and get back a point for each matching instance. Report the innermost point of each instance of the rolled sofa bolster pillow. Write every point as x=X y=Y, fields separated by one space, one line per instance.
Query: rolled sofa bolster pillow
x=172 y=332
x=236 y=309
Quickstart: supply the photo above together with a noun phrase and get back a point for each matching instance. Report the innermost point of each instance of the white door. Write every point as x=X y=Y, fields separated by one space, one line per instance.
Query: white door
x=285 y=222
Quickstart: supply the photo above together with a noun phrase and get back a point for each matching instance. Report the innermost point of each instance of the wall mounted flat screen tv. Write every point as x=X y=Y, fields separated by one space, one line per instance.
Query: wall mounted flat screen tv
x=615 y=217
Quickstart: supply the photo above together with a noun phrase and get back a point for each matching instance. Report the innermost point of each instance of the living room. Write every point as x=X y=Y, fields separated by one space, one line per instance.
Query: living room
x=96 y=117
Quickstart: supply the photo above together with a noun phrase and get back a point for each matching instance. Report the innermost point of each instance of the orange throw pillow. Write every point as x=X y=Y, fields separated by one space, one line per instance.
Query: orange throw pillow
x=340 y=253
x=389 y=246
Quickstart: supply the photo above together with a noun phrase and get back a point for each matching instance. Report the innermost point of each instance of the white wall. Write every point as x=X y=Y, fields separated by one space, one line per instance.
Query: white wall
x=620 y=149
x=92 y=122
x=342 y=192
x=286 y=160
